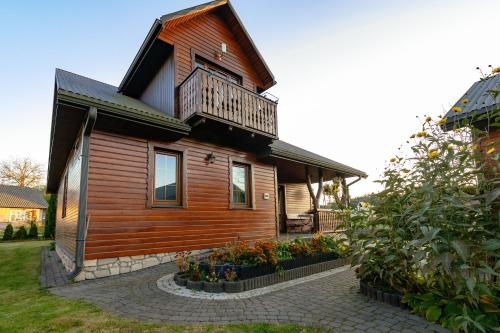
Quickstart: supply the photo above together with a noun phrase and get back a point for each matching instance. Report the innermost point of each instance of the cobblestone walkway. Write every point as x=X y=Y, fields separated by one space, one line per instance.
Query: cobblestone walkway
x=331 y=302
x=52 y=272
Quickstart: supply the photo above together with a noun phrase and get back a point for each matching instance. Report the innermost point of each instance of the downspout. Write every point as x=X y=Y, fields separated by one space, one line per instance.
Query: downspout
x=347 y=187
x=81 y=226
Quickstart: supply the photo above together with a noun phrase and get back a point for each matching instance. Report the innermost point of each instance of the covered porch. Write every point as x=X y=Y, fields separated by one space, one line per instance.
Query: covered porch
x=301 y=175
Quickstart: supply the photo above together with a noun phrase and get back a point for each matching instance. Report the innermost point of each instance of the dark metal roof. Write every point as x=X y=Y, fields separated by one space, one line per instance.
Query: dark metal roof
x=21 y=197
x=285 y=150
x=90 y=92
x=480 y=101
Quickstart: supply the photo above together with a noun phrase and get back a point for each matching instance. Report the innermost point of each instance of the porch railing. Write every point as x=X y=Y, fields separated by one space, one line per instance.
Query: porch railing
x=330 y=221
x=207 y=94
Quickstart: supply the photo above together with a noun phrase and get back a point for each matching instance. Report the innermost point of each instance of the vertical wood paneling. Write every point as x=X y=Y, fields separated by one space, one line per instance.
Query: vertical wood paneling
x=121 y=224
x=66 y=227
x=160 y=91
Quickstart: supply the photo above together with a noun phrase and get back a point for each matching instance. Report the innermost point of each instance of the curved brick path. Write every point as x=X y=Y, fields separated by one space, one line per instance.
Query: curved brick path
x=332 y=302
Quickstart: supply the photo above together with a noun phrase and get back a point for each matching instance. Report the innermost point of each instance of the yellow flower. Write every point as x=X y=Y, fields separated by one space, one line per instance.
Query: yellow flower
x=422 y=134
x=456 y=109
x=433 y=154
x=495 y=70
x=465 y=101
x=490 y=151
x=442 y=121
x=462 y=148
x=428 y=119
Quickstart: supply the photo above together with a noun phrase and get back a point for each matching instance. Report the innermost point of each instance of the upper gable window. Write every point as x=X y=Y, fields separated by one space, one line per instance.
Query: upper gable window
x=217 y=70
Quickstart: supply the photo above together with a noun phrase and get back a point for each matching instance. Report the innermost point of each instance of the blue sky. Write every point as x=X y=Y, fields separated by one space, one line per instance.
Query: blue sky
x=352 y=75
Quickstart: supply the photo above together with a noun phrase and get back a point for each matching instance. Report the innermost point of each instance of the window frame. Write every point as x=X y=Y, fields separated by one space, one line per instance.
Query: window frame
x=250 y=204
x=209 y=65
x=181 y=173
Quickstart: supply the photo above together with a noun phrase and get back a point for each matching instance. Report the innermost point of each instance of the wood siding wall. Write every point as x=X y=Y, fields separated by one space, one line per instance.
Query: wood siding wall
x=160 y=91
x=66 y=226
x=297 y=198
x=120 y=223
x=203 y=35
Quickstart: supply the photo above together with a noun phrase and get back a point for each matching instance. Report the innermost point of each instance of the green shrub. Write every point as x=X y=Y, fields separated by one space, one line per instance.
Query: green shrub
x=432 y=233
x=21 y=233
x=8 y=232
x=52 y=246
x=33 y=233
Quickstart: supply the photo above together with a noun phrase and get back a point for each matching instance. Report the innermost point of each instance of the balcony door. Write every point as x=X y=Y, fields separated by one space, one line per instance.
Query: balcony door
x=217 y=70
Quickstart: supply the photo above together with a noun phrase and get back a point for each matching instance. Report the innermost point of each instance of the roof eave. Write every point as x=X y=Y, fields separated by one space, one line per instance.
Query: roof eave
x=63 y=95
x=141 y=54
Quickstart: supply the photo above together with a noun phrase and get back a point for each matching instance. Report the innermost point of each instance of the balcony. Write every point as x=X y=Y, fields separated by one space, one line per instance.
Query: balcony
x=209 y=96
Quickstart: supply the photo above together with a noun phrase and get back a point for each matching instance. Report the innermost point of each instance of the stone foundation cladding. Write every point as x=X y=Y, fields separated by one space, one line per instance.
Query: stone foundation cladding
x=98 y=268
x=66 y=259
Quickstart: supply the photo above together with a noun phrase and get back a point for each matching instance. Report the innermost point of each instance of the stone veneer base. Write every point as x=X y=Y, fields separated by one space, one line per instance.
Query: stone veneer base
x=98 y=268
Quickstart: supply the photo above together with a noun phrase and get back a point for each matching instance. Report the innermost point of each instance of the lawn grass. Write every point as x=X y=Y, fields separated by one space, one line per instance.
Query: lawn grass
x=24 y=307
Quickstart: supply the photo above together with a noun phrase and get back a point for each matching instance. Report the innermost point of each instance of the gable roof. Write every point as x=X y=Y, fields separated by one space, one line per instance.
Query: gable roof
x=21 y=197
x=153 y=48
x=480 y=101
x=102 y=95
x=282 y=149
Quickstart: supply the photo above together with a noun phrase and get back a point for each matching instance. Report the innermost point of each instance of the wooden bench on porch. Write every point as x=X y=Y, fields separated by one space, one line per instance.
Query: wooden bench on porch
x=299 y=223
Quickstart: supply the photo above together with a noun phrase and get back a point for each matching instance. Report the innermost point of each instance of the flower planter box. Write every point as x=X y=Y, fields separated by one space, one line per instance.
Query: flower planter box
x=234 y=287
x=213 y=287
x=181 y=278
x=381 y=296
x=245 y=272
x=194 y=285
x=265 y=280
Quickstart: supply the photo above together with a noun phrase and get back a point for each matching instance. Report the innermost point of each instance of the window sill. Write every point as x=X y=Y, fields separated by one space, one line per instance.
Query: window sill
x=241 y=208
x=166 y=206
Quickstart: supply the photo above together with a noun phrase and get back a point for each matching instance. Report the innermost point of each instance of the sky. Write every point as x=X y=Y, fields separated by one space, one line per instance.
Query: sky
x=352 y=75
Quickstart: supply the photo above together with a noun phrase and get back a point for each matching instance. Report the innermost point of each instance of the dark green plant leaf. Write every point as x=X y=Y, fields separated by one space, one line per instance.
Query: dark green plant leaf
x=433 y=313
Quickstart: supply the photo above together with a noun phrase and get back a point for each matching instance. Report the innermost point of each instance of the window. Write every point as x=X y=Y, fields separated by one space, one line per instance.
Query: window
x=241 y=194
x=166 y=178
x=18 y=216
x=65 y=196
x=217 y=70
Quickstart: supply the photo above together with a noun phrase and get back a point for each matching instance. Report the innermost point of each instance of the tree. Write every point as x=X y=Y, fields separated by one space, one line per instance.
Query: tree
x=50 y=219
x=22 y=172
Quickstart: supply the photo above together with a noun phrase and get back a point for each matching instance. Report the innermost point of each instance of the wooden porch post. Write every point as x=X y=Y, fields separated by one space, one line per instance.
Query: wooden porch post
x=315 y=197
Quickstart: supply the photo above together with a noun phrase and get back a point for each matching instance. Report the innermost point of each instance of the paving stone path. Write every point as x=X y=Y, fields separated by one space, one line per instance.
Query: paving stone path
x=52 y=272
x=332 y=302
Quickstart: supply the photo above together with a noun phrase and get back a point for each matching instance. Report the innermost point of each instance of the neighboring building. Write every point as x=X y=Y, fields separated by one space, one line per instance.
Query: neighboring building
x=481 y=102
x=183 y=155
x=21 y=206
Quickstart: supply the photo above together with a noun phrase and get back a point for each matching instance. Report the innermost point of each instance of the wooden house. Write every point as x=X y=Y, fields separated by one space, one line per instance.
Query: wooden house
x=183 y=155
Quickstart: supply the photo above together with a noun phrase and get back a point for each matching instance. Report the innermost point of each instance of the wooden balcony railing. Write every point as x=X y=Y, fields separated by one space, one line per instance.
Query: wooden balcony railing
x=206 y=94
x=330 y=221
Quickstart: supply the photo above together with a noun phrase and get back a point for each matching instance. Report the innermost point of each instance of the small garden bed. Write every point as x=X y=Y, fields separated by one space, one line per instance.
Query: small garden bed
x=381 y=295
x=182 y=279
x=239 y=267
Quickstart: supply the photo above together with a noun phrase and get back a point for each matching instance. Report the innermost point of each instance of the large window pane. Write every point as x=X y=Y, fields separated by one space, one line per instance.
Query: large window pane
x=165 y=177
x=240 y=184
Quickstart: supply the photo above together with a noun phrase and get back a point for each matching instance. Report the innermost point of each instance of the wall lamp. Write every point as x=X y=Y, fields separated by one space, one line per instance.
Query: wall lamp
x=210 y=158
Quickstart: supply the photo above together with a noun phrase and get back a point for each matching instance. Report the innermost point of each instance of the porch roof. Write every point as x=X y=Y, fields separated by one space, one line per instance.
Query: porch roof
x=285 y=151
x=480 y=102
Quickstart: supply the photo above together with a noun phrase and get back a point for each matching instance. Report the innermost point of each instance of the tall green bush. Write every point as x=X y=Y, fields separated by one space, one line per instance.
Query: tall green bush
x=21 y=233
x=50 y=218
x=33 y=232
x=433 y=234
x=8 y=232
